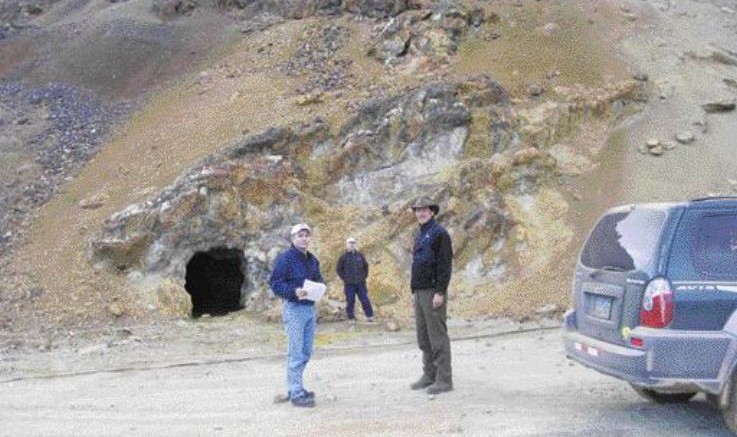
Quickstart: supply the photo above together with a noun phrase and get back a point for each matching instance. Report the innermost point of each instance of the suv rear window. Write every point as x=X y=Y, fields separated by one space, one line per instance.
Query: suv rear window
x=705 y=247
x=624 y=239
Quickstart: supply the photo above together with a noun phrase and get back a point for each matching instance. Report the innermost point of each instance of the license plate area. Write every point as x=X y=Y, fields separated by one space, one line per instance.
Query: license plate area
x=600 y=306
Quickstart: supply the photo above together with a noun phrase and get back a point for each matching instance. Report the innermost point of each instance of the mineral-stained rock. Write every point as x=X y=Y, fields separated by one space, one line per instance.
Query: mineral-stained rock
x=173 y=299
x=245 y=197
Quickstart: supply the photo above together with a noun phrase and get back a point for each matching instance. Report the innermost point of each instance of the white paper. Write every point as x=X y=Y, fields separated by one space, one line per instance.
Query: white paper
x=315 y=290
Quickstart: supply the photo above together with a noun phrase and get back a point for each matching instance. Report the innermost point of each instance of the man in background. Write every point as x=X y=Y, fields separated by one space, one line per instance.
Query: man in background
x=353 y=270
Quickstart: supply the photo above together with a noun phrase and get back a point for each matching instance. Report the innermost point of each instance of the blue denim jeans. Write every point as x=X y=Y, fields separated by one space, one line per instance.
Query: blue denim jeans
x=299 y=325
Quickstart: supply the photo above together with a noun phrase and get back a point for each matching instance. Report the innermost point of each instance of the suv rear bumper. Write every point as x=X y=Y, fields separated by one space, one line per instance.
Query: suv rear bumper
x=669 y=360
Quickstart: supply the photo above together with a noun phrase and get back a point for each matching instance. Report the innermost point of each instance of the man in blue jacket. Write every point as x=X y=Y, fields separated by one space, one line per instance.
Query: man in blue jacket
x=353 y=269
x=432 y=263
x=292 y=268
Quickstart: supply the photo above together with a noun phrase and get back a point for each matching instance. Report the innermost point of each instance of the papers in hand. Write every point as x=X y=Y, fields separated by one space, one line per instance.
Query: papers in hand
x=314 y=290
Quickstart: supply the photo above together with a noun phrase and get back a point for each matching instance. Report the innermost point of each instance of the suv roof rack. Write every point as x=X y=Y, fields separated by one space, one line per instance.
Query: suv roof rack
x=719 y=197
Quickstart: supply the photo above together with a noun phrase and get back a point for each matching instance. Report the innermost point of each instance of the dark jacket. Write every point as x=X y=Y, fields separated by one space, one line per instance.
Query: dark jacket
x=352 y=267
x=291 y=269
x=432 y=259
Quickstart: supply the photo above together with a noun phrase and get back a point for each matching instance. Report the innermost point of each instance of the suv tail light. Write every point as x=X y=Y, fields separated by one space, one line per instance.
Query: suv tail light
x=657 y=304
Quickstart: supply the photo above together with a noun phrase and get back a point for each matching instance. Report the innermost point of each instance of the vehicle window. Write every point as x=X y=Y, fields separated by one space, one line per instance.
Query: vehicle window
x=624 y=240
x=715 y=249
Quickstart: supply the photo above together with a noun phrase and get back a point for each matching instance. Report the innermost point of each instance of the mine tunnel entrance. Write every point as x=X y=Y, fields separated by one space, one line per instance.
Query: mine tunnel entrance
x=214 y=280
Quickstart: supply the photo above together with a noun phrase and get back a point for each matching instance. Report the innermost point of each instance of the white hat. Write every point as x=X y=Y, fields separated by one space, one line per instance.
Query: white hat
x=299 y=227
x=350 y=240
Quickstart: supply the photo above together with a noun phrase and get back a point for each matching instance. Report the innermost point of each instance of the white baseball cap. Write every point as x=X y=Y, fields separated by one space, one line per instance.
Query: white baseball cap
x=350 y=240
x=299 y=227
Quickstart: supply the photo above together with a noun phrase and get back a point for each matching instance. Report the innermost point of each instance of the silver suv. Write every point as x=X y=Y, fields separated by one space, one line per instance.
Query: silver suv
x=655 y=300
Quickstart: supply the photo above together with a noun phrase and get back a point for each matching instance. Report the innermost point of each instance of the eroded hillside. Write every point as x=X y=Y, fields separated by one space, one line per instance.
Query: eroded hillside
x=495 y=109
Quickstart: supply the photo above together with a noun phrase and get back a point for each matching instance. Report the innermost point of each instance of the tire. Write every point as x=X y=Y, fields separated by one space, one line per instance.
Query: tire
x=729 y=411
x=664 y=398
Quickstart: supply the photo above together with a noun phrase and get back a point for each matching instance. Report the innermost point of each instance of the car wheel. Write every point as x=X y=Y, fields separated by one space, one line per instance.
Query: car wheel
x=663 y=398
x=729 y=411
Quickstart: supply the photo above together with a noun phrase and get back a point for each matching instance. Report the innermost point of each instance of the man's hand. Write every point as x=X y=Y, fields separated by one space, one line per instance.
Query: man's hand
x=437 y=300
x=301 y=293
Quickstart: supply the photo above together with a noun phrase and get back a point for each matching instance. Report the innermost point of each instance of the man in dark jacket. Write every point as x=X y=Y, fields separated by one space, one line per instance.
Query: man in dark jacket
x=353 y=270
x=292 y=268
x=432 y=263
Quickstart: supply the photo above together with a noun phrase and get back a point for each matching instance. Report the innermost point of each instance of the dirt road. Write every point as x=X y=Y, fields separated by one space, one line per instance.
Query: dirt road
x=516 y=384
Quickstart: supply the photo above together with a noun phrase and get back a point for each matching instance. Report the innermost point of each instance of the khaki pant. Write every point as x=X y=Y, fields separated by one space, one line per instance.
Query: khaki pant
x=432 y=337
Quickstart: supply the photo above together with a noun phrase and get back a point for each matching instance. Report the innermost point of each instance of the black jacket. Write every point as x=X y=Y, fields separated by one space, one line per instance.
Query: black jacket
x=352 y=267
x=432 y=258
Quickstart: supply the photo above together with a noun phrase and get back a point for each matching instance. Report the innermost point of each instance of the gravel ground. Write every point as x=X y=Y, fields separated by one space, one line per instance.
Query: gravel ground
x=513 y=384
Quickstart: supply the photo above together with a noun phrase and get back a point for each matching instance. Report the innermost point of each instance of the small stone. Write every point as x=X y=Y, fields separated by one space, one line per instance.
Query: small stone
x=94 y=202
x=685 y=137
x=652 y=142
x=535 y=90
x=392 y=326
x=656 y=151
x=310 y=99
x=668 y=145
x=547 y=310
x=642 y=77
x=550 y=28
x=720 y=106
x=116 y=309
x=630 y=16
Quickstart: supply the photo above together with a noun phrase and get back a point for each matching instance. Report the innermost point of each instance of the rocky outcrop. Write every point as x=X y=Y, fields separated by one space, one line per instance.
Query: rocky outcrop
x=434 y=33
x=242 y=201
x=247 y=196
x=298 y=9
x=460 y=143
x=396 y=148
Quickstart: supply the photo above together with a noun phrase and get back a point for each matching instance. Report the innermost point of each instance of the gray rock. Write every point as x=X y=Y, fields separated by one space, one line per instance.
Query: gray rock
x=719 y=106
x=535 y=90
x=641 y=76
x=685 y=137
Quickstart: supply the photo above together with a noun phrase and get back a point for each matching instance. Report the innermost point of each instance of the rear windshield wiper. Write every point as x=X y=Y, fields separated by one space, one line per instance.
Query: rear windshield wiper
x=598 y=271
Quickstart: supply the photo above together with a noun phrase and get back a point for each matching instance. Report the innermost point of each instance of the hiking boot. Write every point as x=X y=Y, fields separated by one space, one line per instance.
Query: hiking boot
x=303 y=401
x=351 y=322
x=421 y=383
x=439 y=387
x=370 y=319
x=280 y=399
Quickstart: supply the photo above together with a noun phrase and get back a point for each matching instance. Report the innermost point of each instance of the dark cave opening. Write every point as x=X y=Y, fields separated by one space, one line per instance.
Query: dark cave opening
x=214 y=280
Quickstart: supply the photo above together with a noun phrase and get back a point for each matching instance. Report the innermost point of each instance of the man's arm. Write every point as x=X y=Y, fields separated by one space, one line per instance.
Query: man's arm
x=319 y=273
x=279 y=283
x=444 y=251
x=365 y=265
x=340 y=266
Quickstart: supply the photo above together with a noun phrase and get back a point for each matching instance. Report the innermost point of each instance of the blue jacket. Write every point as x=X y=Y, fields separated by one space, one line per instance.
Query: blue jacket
x=432 y=258
x=352 y=267
x=291 y=269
